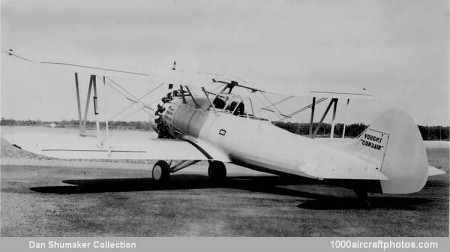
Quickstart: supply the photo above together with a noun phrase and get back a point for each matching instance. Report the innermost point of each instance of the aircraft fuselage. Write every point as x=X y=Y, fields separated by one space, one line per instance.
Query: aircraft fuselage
x=252 y=143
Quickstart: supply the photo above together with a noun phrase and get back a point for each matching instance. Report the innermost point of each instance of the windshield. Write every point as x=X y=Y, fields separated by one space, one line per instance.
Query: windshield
x=234 y=104
x=220 y=102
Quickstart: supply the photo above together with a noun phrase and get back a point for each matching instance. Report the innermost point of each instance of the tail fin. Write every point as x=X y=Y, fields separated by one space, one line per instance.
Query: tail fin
x=394 y=144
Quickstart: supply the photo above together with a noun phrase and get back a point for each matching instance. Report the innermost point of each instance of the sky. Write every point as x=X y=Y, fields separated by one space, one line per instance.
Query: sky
x=396 y=49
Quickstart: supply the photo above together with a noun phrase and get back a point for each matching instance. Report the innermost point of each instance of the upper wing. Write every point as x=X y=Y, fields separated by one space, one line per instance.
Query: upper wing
x=68 y=144
x=341 y=95
x=81 y=68
x=156 y=75
x=198 y=79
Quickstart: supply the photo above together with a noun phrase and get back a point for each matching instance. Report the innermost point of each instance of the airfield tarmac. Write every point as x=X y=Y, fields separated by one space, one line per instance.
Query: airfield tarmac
x=74 y=198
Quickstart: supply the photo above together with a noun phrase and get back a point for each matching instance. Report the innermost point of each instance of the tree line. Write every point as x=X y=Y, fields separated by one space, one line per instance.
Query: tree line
x=351 y=130
x=355 y=129
x=114 y=125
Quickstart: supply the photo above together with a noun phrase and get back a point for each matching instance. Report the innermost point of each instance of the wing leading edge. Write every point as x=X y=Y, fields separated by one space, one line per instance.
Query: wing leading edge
x=74 y=146
x=192 y=78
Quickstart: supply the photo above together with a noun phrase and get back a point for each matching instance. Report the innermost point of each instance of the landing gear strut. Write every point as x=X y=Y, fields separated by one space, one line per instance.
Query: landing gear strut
x=217 y=171
x=162 y=170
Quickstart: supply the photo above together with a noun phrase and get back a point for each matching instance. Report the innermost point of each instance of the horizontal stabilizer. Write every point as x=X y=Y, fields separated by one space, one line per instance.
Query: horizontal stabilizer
x=433 y=171
x=329 y=172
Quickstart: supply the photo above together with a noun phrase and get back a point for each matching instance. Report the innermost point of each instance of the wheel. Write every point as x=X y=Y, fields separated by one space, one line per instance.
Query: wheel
x=161 y=171
x=217 y=171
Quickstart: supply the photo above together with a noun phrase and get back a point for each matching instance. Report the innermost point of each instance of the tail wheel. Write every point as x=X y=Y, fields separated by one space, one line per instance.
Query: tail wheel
x=217 y=171
x=161 y=171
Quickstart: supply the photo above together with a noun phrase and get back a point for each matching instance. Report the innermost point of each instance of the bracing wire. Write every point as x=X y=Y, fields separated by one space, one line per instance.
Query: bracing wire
x=278 y=102
x=130 y=114
x=121 y=88
x=305 y=107
x=266 y=106
x=272 y=105
x=133 y=102
x=136 y=101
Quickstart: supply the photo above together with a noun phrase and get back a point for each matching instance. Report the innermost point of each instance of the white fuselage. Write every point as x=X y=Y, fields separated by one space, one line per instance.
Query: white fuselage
x=252 y=143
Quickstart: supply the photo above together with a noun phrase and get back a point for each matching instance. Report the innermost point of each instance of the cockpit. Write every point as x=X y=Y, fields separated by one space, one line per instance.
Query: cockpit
x=233 y=104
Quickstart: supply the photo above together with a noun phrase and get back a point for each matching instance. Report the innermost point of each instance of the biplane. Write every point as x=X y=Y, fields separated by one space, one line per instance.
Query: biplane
x=196 y=123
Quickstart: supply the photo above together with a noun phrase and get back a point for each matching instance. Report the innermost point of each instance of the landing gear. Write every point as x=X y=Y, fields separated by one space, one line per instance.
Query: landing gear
x=217 y=171
x=161 y=171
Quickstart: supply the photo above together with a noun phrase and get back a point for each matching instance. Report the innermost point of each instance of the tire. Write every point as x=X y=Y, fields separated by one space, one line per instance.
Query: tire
x=161 y=171
x=217 y=171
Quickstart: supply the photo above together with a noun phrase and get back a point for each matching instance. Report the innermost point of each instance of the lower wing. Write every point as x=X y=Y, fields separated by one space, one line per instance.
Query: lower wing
x=68 y=144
